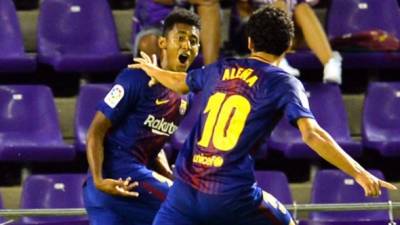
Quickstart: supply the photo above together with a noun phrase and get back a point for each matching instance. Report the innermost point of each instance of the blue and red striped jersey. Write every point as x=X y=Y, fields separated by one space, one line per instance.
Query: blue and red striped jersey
x=142 y=117
x=241 y=101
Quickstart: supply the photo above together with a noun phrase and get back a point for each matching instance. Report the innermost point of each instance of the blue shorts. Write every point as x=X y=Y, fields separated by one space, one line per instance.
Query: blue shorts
x=187 y=206
x=104 y=209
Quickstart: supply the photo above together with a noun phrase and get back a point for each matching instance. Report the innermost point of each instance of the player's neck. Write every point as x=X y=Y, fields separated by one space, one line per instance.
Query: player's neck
x=164 y=62
x=265 y=57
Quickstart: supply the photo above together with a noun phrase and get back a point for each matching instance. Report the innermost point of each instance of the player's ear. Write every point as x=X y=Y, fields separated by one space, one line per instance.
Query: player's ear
x=162 y=42
x=250 y=44
x=290 y=46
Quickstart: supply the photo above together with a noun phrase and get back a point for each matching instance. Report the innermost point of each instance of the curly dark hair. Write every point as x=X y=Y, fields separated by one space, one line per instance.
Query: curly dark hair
x=180 y=16
x=271 y=30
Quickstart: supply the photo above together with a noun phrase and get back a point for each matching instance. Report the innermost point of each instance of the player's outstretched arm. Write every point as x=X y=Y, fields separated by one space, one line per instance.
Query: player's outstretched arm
x=95 y=156
x=176 y=81
x=323 y=144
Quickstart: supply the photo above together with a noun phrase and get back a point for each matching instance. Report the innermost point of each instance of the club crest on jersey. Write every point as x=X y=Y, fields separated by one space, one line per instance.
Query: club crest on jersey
x=183 y=107
x=114 y=96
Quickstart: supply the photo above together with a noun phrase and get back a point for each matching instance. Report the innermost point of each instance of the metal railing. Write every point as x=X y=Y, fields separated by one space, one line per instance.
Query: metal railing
x=295 y=208
x=389 y=206
x=344 y=207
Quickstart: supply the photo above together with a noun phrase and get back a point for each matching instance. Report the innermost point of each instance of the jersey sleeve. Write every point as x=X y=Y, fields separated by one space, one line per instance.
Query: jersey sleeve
x=197 y=78
x=189 y=99
x=295 y=101
x=123 y=95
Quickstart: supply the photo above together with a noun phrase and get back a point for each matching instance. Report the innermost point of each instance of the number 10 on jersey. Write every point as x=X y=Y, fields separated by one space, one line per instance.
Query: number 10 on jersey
x=225 y=121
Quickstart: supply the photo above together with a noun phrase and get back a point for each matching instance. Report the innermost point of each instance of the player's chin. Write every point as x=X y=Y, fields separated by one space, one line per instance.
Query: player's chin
x=182 y=67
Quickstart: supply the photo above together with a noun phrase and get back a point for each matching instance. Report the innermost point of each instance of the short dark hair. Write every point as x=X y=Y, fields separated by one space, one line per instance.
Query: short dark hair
x=271 y=30
x=180 y=16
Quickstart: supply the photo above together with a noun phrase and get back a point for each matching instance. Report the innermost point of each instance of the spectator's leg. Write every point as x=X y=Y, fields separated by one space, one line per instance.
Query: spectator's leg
x=210 y=35
x=313 y=32
x=316 y=39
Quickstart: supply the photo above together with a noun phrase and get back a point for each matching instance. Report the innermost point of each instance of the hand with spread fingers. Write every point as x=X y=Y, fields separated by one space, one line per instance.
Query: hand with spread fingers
x=147 y=64
x=372 y=185
x=176 y=81
x=118 y=187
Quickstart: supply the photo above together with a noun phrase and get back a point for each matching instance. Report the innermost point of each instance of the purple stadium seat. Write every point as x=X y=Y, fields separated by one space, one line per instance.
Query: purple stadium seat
x=89 y=97
x=12 y=54
x=29 y=126
x=333 y=186
x=53 y=191
x=327 y=105
x=78 y=36
x=381 y=118
x=275 y=183
x=351 y=16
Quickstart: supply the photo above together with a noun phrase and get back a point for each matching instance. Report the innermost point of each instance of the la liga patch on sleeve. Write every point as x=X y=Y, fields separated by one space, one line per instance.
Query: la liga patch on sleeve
x=114 y=96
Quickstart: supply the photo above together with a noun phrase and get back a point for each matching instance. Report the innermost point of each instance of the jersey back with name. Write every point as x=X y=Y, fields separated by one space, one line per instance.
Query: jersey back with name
x=242 y=100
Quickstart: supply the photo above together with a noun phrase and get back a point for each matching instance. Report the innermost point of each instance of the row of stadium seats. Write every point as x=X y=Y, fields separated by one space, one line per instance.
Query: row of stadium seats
x=329 y=186
x=30 y=131
x=80 y=36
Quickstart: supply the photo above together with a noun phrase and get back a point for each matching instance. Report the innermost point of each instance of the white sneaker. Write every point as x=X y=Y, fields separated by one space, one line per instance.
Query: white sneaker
x=284 y=64
x=333 y=69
